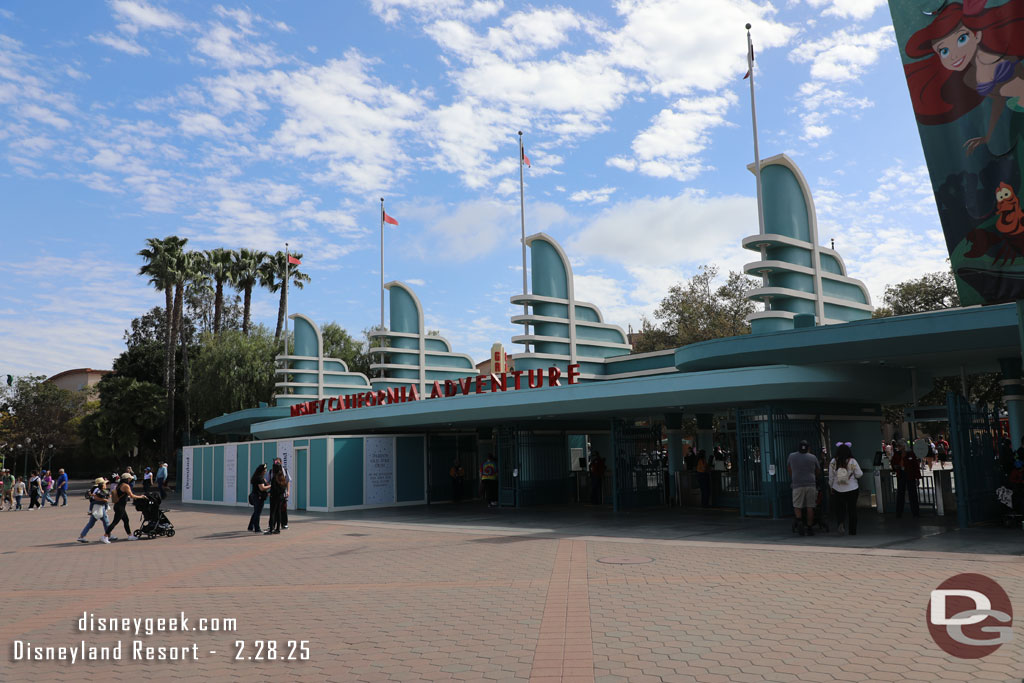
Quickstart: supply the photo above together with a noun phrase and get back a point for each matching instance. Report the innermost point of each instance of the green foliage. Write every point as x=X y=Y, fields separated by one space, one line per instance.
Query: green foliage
x=246 y=275
x=39 y=414
x=930 y=292
x=698 y=311
x=272 y=276
x=340 y=344
x=232 y=371
x=129 y=416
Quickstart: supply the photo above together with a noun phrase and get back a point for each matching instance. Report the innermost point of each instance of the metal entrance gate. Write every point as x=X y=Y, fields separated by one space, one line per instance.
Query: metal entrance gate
x=533 y=467
x=975 y=464
x=765 y=436
x=637 y=476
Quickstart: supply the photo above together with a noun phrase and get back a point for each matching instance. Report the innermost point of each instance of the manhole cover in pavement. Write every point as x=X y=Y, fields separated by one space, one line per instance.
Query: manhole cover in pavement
x=626 y=559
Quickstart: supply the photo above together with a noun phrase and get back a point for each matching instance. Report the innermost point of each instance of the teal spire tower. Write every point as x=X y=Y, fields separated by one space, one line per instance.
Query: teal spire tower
x=800 y=277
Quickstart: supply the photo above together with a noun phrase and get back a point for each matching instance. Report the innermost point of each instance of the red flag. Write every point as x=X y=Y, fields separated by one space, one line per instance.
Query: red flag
x=294 y=261
x=388 y=219
x=750 y=61
x=526 y=159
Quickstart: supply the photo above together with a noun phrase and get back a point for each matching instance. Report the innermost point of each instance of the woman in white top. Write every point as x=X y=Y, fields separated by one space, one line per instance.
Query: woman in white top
x=843 y=474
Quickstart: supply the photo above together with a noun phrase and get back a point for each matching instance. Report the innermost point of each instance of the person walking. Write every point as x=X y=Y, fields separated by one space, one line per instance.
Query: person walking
x=161 y=479
x=97 y=509
x=47 y=484
x=907 y=467
x=34 y=489
x=278 y=484
x=803 y=475
x=489 y=480
x=60 y=491
x=597 y=469
x=7 y=482
x=121 y=495
x=19 y=492
x=844 y=473
x=147 y=480
x=257 y=496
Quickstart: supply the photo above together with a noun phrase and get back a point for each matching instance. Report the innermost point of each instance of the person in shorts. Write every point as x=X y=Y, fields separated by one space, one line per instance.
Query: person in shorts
x=803 y=475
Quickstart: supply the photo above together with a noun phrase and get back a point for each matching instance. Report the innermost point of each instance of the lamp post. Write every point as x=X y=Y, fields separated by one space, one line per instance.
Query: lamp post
x=49 y=457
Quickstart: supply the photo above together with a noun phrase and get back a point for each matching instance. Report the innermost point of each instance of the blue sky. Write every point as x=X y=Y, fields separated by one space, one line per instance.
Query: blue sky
x=252 y=125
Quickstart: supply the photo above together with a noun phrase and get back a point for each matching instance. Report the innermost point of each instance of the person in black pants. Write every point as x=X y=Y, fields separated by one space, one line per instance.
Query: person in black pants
x=278 y=484
x=287 y=492
x=122 y=494
x=257 y=496
x=907 y=467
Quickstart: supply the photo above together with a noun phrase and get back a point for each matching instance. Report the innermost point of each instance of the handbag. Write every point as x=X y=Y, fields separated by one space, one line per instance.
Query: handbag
x=97 y=511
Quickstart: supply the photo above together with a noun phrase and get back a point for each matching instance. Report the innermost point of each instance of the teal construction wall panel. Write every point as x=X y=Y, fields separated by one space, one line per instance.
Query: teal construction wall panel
x=242 y=482
x=409 y=469
x=218 y=473
x=208 y=473
x=197 y=473
x=318 y=472
x=348 y=472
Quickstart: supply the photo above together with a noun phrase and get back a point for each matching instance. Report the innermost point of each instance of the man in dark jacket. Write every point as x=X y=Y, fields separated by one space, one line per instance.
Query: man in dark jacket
x=907 y=467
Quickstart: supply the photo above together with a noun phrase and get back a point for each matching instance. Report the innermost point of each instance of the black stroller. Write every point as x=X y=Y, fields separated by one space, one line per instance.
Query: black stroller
x=154 y=521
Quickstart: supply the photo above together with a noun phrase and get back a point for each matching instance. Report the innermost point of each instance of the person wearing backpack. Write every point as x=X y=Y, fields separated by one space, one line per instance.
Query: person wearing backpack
x=843 y=474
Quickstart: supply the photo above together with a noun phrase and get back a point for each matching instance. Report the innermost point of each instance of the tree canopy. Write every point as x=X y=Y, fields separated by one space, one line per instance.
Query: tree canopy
x=697 y=310
x=930 y=292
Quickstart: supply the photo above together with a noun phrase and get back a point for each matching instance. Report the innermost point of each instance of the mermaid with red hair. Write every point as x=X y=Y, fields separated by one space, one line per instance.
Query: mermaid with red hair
x=969 y=52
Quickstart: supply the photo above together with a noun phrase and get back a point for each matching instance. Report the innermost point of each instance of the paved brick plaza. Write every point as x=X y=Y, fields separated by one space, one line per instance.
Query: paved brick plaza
x=386 y=599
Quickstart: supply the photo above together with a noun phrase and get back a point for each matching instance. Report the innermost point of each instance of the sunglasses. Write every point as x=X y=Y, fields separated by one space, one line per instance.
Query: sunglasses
x=844 y=443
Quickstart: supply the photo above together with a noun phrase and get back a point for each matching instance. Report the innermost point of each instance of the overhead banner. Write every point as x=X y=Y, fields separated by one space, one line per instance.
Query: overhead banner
x=963 y=66
x=379 y=466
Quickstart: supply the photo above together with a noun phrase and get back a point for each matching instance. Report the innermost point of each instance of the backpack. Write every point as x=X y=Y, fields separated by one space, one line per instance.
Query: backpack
x=842 y=476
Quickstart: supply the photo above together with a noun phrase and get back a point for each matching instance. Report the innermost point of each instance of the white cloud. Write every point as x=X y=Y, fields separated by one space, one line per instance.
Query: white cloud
x=678 y=54
x=844 y=56
x=391 y=10
x=671 y=146
x=120 y=43
x=232 y=48
x=848 y=9
x=140 y=15
x=599 y=196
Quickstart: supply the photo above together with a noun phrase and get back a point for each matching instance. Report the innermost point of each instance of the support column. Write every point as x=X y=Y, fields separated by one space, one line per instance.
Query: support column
x=1013 y=394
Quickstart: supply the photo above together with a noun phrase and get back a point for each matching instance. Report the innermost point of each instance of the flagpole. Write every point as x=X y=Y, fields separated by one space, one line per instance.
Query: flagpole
x=757 y=155
x=382 y=278
x=522 y=226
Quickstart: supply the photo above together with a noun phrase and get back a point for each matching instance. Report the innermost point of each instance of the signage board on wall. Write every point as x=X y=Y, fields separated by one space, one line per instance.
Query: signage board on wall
x=284 y=451
x=186 y=475
x=230 y=471
x=379 y=471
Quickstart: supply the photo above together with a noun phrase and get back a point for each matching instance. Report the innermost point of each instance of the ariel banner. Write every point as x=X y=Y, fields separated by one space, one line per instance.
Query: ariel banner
x=963 y=66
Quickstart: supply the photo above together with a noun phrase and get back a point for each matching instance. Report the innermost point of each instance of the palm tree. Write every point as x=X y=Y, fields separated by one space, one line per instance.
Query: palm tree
x=194 y=277
x=220 y=269
x=162 y=258
x=246 y=268
x=272 y=277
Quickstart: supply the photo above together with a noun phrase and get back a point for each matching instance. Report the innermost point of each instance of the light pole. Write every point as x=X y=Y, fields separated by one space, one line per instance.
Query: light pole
x=49 y=457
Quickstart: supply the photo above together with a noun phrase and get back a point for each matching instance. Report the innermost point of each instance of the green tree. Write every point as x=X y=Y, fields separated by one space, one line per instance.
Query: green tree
x=340 y=344
x=41 y=414
x=246 y=269
x=220 y=267
x=163 y=262
x=930 y=292
x=233 y=371
x=127 y=421
x=698 y=311
x=272 y=276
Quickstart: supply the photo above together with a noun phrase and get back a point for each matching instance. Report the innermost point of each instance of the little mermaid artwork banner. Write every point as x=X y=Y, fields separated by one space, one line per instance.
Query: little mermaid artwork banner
x=964 y=63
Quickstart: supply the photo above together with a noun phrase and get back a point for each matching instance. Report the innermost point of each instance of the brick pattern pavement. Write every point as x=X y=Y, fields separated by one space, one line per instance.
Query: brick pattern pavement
x=398 y=602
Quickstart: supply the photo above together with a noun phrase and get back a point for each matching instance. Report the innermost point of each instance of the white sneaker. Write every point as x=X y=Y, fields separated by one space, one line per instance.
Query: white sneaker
x=105 y=539
x=112 y=538
x=82 y=540
x=131 y=538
